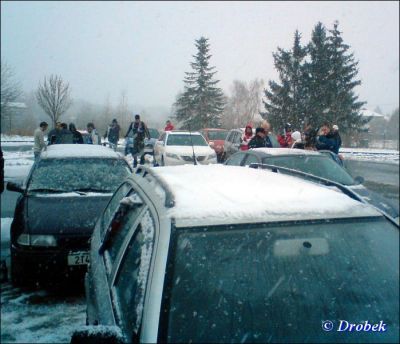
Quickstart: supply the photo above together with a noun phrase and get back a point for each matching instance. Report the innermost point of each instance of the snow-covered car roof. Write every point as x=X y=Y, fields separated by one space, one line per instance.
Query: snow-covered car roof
x=78 y=151
x=218 y=194
x=285 y=151
x=180 y=132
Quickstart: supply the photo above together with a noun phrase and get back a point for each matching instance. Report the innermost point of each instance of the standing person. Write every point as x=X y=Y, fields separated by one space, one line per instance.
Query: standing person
x=138 y=131
x=77 y=136
x=66 y=135
x=39 y=143
x=324 y=140
x=53 y=136
x=247 y=136
x=1 y=171
x=258 y=141
x=297 y=141
x=310 y=136
x=336 y=136
x=285 y=139
x=113 y=134
x=93 y=137
x=169 y=126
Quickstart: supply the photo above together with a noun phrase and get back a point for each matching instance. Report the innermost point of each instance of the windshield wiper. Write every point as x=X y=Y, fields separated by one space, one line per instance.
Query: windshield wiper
x=48 y=190
x=92 y=190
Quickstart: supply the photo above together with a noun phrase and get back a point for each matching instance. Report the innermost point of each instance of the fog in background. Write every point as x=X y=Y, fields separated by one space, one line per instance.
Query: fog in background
x=143 y=49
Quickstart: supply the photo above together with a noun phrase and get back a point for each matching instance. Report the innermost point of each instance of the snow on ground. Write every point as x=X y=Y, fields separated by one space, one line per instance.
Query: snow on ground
x=378 y=155
x=5 y=229
x=39 y=316
x=17 y=138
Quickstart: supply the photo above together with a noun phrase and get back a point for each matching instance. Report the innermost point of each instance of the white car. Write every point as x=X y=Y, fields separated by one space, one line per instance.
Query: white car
x=178 y=261
x=182 y=147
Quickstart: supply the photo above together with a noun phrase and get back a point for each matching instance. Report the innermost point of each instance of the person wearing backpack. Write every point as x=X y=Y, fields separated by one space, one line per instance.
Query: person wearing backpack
x=137 y=131
x=93 y=137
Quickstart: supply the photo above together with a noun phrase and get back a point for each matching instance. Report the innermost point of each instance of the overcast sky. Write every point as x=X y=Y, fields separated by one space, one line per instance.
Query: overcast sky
x=144 y=48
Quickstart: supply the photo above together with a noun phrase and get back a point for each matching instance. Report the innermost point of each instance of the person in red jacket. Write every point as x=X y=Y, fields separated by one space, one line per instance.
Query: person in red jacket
x=247 y=136
x=168 y=126
x=285 y=140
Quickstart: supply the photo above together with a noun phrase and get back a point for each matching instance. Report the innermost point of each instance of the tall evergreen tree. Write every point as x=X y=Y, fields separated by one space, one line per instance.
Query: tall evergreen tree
x=201 y=103
x=317 y=77
x=286 y=101
x=344 y=107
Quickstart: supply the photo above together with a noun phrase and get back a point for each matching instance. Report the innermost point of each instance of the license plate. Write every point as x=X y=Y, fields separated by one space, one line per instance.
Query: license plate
x=78 y=258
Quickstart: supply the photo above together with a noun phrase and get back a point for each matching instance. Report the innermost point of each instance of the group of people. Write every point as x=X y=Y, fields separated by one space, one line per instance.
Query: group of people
x=326 y=138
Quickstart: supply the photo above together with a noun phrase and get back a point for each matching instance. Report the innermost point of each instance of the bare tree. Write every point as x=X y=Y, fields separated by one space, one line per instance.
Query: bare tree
x=10 y=92
x=54 y=97
x=243 y=104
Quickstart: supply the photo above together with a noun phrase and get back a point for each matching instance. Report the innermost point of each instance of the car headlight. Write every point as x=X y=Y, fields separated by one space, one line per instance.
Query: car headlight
x=173 y=156
x=37 y=240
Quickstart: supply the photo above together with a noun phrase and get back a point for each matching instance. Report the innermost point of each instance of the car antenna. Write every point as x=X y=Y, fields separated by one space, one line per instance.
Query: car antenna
x=191 y=141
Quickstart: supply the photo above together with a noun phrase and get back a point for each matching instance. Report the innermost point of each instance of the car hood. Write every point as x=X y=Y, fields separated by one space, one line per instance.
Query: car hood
x=377 y=200
x=67 y=213
x=187 y=150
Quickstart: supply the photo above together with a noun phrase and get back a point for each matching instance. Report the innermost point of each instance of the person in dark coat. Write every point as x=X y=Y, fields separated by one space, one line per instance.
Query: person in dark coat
x=77 y=137
x=334 y=134
x=258 y=141
x=138 y=131
x=113 y=133
x=324 y=140
x=53 y=137
x=65 y=135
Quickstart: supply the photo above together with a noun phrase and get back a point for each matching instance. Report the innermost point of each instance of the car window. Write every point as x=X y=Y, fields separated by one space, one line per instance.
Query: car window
x=84 y=174
x=127 y=215
x=113 y=205
x=162 y=137
x=320 y=166
x=217 y=135
x=235 y=159
x=186 y=140
x=154 y=134
x=278 y=282
x=250 y=159
x=237 y=137
x=130 y=283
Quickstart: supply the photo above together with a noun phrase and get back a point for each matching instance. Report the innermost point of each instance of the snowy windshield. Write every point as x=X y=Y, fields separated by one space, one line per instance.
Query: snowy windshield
x=66 y=175
x=186 y=140
x=217 y=135
x=320 y=166
x=277 y=283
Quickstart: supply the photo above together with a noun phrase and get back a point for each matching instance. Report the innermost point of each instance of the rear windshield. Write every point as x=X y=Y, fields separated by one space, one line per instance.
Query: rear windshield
x=186 y=140
x=154 y=134
x=279 y=283
x=88 y=174
x=320 y=166
x=217 y=135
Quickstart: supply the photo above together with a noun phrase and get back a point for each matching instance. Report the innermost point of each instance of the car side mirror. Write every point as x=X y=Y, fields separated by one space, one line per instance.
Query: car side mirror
x=98 y=334
x=359 y=180
x=11 y=186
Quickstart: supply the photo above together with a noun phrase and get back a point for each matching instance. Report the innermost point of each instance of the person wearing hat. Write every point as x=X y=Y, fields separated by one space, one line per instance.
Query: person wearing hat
x=336 y=136
x=112 y=134
x=246 y=137
x=260 y=140
x=138 y=131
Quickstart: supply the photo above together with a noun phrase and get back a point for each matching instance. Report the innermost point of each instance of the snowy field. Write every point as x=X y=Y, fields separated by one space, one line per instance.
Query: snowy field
x=379 y=155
